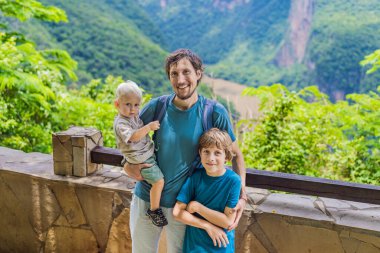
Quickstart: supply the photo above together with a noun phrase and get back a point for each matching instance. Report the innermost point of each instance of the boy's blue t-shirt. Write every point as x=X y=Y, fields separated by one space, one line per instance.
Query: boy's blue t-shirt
x=215 y=193
x=177 y=142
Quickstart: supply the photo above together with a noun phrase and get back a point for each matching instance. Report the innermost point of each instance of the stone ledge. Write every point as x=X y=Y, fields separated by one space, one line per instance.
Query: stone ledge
x=91 y=214
x=41 y=166
x=340 y=212
x=325 y=210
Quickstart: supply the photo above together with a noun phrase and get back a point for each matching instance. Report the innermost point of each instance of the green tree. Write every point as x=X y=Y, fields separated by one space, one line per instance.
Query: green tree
x=34 y=101
x=26 y=9
x=304 y=133
x=91 y=106
x=28 y=80
x=373 y=60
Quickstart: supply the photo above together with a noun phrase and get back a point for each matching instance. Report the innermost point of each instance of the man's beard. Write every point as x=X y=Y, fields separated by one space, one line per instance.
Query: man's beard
x=187 y=96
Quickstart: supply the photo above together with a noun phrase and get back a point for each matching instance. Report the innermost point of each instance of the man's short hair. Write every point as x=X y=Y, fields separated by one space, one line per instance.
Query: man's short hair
x=129 y=87
x=179 y=54
x=217 y=138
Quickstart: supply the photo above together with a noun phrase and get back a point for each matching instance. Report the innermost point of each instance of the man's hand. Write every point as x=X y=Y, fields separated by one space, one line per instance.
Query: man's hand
x=134 y=170
x=192 y=207
x=239 y=208
x=218 y=236
x=154 y=125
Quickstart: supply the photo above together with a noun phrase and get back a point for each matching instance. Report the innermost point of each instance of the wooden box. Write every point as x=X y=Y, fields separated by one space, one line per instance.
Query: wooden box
x=72 y=151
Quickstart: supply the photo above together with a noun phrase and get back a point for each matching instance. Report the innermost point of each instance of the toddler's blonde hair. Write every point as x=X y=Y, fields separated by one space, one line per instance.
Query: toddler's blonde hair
x=127 y=88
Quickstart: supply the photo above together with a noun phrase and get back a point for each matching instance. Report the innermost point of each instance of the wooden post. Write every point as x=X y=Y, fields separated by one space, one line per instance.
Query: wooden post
x=313 y=186
x=72 y=151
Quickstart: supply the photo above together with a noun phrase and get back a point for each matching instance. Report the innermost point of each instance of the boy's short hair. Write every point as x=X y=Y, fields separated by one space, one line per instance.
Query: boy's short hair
x=181 y=53
x=127 y=88
x=217 y=138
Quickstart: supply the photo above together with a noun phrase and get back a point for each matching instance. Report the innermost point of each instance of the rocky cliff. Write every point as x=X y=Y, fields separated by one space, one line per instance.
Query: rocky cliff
x=296 y=40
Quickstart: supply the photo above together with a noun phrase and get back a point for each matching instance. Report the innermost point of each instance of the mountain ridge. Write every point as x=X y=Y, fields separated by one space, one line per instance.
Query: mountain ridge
x=297 y=43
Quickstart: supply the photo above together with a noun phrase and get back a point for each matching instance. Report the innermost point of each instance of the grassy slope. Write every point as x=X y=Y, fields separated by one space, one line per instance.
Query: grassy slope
x=107 y=37
x=240 y=44
x=344 y=31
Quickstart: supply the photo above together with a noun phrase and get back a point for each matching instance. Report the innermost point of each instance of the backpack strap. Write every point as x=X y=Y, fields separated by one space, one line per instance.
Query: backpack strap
x=207 y=124
x=162 y=105
x=159 y=112
x=208 y=110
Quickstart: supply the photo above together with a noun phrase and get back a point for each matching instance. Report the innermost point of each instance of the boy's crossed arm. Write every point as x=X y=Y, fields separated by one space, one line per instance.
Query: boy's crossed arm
x=218 y=236
x=224 y=220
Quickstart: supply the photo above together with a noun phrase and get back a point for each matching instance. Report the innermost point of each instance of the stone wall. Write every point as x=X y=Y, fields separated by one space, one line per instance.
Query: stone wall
x=43 y=212
x=287 y=223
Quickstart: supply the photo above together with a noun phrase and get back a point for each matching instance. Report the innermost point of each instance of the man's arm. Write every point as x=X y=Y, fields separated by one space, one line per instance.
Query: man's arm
x=239 y=167
x=143 y=131
x=217 y=234
x=134 y=170
x=238 y=164
x=224 y=220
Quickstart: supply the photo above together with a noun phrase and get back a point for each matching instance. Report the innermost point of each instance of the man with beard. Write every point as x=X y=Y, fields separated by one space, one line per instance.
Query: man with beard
x=176 y=149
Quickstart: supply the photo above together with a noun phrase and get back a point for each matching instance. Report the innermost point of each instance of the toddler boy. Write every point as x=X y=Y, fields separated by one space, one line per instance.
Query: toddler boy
x=134 y=143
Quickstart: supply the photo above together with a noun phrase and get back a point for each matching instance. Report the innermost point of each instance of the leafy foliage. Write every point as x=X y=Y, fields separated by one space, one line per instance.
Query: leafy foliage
x=26 y=9
x=28 y=79
x=91 y=106
x=34 y=103
x=304 y=133
x=373 y=60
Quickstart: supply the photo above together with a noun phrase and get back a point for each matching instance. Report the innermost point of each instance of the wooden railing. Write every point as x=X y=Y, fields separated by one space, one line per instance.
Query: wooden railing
x=279 y=181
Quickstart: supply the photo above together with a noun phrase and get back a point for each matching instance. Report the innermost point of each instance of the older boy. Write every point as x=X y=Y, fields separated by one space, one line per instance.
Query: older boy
x=207 y=198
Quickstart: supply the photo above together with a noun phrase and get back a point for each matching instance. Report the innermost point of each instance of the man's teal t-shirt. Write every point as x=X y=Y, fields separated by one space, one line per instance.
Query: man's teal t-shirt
x=177 y=143
x=215 y=193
